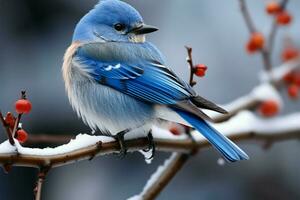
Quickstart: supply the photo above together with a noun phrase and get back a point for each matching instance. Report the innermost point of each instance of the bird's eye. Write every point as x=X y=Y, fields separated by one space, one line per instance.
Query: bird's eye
x=119 y=27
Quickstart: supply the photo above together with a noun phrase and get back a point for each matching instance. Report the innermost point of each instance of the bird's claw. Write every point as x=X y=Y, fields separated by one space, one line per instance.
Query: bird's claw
x=120 y=138
x=151 y=146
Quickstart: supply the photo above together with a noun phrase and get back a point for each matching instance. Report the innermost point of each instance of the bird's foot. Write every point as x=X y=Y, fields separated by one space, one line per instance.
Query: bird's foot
x=120 y=138
x=151 y=145
x=188 y=132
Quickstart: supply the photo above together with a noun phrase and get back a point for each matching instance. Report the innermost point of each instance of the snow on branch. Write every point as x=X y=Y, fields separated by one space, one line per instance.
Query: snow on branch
x=243 y=126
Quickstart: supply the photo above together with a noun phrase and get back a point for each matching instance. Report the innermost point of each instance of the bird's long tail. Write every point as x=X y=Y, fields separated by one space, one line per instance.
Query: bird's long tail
x=226 y=147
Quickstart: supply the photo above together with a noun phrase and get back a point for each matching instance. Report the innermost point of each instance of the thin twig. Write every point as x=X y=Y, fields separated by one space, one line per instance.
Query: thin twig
x=7 y=129
x=247 y=17
x=191 y=65
x=250 y=25
x=274 y=29
x=39 y=185
x=16 y=126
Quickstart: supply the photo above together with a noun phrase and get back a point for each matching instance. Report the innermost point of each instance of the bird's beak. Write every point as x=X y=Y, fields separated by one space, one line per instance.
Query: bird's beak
x=143 y=29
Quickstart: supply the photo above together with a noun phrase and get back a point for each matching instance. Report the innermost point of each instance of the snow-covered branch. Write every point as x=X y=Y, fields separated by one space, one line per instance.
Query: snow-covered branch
x=244 y=126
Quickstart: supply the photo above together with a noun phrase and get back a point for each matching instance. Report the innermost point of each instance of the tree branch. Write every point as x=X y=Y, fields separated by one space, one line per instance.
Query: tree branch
x=250 y=25
x=189 y=59
x=27 y=157
x=41 y=178
x=274 y=28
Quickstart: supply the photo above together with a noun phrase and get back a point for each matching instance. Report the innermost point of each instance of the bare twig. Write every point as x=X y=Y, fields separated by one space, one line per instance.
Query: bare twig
x=41 y=178
x=250 y=25
x=274 y=29
x=16 y=126
x=191 y=65
x=247 y=17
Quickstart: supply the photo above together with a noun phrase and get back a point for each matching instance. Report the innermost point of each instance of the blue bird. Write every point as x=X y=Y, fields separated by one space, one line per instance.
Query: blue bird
x=118 y=82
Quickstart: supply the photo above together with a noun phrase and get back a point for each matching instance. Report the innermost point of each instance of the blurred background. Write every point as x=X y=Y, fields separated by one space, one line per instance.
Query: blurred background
x=33 y=37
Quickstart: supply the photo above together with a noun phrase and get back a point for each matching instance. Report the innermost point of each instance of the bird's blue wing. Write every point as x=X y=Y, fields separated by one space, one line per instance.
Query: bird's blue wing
x=133 y=69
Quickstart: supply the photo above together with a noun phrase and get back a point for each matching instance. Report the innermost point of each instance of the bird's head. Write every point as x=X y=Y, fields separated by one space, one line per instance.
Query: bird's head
x=112 y=20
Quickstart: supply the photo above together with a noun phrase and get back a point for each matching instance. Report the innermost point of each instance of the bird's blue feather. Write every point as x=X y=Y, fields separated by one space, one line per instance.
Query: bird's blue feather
x=140 y=76
x=227 y=148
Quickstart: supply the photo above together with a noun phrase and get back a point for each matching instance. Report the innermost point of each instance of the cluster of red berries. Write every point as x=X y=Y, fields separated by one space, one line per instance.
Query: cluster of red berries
x=200 y=70
x=283 y=17
x=22 y=106
x=292 y=80
x=256 y=41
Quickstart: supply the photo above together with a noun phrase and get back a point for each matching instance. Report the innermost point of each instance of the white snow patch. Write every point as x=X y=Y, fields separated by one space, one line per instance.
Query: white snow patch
x=81 y=141
x=6 y=147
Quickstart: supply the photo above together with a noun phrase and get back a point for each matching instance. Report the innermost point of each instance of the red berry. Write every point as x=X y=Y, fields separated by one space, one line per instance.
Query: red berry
x=10 y=120
x=175 y=130
x=200 y=70
x=273 y=8
x=293 y=91
x=256 y=42
x=283 y=18
x=21 y=135
x=269 y=108
x=23 y=106
x=289 y=53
